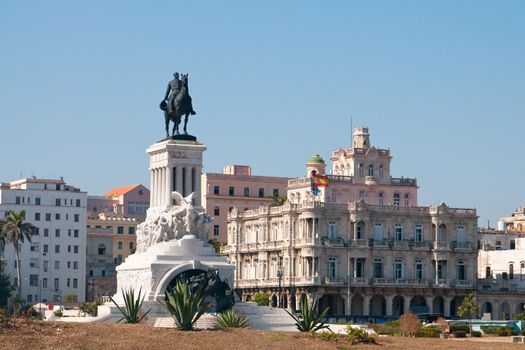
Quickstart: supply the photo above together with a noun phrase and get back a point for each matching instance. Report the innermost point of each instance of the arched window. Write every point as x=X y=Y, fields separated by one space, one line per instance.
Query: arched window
x=378 y=268
x=360 y=170
x=381 y=171
x=397 y=200
x=418 y=269
x=370 y=170
x=488 y=273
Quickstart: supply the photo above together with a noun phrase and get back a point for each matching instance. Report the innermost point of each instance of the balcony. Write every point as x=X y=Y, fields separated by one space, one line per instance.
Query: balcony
x=463 y=284
x=358 y=281
x=412 y=282
x=440 y=245
x=442 y=282
x=245 y=283
x=332 y=242
x=333 y=280
x=304 y=242
x=307 y=280
x=462 y=245
x=359 y=243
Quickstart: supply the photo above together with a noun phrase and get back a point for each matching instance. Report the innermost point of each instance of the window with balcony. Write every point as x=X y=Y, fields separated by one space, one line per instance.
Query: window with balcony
x=332 y=230
x=360 y=268
x=370 y=170
x=398 y=269
x=442 y=269
x=418 y=270
x=460 y=234
x=397 y=199
x=462 y=275
x=418 y=233
x=378 y=268
x=407 y=199
x=360 y=170
x=398 y=232
x=332 y=264
x=378 y=232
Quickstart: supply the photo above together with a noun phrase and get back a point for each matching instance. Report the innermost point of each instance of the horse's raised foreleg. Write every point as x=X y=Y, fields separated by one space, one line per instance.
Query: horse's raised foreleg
x=185 y=123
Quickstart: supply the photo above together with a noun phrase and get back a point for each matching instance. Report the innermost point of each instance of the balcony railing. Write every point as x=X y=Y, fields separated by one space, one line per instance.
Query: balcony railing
x=463 y=283
x=333 y=242
x=442 y=282
x=359 y=281
x=462 y=245
x=440 y=245
x=307 y=280
x=333 y=280
x=401 y=282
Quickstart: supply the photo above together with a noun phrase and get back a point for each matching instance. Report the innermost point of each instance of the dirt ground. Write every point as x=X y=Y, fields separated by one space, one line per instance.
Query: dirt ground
x=51 y=335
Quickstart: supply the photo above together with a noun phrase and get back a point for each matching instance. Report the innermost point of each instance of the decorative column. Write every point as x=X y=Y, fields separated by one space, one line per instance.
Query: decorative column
x=187 y=181
x=430 y=304
x=151 y=184
x=389 y=305
x=407 y=304
x=447 y=301
x=366 y=305
x=178 y=179
x=169 y=182
x=197 y=185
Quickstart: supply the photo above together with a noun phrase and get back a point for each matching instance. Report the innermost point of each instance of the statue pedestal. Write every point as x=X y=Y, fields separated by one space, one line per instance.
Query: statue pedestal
x=153 y=270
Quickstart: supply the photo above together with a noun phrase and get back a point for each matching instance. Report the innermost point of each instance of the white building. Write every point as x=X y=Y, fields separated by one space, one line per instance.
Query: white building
x=53 y=264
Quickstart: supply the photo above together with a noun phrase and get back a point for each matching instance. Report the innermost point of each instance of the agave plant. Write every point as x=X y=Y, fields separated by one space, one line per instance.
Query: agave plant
x=310 y=320
x=231 y=319
x=185 y=305
x=131 y=309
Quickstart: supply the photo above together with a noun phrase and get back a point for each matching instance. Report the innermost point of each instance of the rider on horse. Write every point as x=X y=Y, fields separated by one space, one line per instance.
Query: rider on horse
x=177 y=102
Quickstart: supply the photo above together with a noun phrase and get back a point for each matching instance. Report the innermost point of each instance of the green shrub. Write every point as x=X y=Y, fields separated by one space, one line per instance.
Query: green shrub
x=231 y=319
x=131 y=309
x=386 y=329
x=58 y=313
x=357 y=335
x=499 y=330
x=5 y=320
x=523 y=332
x=185 y=305
x=454 y=327
x=310 y=319
x=261 y=298
x=476 y=334
x=428 y=332
x=393 y=323
x=460 y=334
x=92 y=307
x=519 y=316
x=326 y=336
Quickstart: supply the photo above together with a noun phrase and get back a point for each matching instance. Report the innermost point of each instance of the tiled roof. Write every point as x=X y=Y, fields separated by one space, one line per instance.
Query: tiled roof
x=120 y=191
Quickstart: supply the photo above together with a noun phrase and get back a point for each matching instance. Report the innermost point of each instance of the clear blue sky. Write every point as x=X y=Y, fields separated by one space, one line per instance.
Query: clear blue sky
x=440 y=83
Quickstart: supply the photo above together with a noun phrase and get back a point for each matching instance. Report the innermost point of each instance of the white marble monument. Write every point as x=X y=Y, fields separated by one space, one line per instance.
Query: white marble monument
x=172 y=238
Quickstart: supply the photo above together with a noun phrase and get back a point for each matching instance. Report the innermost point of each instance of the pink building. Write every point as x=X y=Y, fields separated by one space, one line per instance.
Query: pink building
x=237 y=187
x=359 y=172
x=128 y=201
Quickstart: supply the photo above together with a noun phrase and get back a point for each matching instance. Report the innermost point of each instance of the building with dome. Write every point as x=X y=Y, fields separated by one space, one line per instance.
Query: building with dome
x=361 y=246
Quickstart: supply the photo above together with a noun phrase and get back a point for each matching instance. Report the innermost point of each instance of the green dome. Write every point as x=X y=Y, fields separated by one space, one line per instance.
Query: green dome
x=316 y=159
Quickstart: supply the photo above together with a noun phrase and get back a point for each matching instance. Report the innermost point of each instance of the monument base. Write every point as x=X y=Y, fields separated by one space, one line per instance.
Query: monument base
x=153 y=270
x=182 y=137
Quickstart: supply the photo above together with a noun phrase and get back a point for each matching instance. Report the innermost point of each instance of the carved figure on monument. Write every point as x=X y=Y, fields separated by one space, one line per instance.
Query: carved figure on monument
x=177 y=103
x=173 y=222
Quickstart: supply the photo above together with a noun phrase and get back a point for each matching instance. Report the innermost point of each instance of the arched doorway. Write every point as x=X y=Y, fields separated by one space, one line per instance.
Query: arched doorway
x=274 y=301
x=454 y=304
x=504 y=311
x=293 y=303
x=520 y=307
x=185 y=275
x=438 y=305
x=398 y=306
x=377 y=306
x=486 y=308
x=334 y=302
x=284 y=301
x=418 y=305
x=357 y=305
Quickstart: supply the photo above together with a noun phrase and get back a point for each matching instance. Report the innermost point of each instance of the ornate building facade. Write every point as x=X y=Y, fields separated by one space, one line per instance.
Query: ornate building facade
x=361 y=246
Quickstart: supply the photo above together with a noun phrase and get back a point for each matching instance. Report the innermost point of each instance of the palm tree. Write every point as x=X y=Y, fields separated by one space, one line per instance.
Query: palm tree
x=15 y=230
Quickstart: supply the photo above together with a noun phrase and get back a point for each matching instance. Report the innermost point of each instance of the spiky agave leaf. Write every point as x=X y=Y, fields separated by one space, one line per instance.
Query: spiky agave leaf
x=231 y=319
x=310 y=320
x=131 y=309
x=186 y=306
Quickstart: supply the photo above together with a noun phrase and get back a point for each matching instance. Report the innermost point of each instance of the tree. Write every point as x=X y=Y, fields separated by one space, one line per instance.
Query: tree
x=468 y=308
x=279 y=200
x=14 y=230
x=5 y=286
x=409 y=324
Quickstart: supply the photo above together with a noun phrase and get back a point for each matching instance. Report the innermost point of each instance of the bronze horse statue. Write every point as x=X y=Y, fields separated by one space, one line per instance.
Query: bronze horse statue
x=177 y=105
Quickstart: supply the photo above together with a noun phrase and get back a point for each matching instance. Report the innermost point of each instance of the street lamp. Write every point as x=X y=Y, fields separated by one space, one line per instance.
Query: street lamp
x=280 y=276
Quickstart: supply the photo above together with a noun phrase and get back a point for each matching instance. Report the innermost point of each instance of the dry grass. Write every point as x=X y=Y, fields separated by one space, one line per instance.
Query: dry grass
x=39 y=335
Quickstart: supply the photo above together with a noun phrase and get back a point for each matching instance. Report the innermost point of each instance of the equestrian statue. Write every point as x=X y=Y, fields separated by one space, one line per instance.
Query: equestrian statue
x=177 y=103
